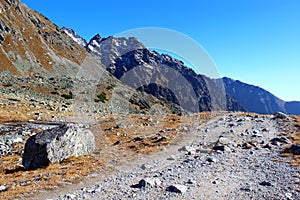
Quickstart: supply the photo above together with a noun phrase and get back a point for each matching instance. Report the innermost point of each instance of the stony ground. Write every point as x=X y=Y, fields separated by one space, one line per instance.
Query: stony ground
x=234 y=156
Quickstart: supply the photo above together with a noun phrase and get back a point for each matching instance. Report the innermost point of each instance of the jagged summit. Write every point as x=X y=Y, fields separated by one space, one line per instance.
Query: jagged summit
x=96 y=38
x=70 y=32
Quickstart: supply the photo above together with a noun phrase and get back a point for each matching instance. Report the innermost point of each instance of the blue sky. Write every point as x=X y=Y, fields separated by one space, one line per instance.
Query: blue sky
x=255 y=41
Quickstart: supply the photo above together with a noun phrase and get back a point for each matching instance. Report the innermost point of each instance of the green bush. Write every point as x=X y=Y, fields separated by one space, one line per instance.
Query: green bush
x=101 y=97
x=67 y=96
x=111 y=86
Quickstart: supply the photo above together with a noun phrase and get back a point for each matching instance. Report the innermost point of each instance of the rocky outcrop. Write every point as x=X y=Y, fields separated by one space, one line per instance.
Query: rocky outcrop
x=57 y=144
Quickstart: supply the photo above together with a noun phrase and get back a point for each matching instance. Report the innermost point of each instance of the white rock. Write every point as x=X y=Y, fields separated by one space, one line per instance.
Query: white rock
x=18 y=140
x=223 y=140
x=71 y=196
x=280 y=115
x=177 y=188
x=149 y=182
x=145 y=166
x=2 y=188
x=187 y=149
x=172 y=157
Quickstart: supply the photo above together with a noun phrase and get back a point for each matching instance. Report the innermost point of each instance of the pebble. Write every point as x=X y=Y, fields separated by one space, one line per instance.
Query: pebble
x=3 y=188
x=295 y=149
x=223 y=140
x=172 y=157
x=177 y=188
x=265 y=183
x=211 y=159
x=149 y=182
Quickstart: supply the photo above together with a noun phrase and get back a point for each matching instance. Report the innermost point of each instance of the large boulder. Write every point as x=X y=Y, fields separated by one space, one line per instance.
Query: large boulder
x=57 y=144
x=280 y=115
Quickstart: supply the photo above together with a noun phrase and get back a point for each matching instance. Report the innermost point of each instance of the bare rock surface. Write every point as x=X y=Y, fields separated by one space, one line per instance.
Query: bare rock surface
x=57 y=144
x=249 y=167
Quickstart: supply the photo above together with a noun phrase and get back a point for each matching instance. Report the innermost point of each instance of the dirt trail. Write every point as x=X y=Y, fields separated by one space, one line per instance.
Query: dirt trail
x=244 y=168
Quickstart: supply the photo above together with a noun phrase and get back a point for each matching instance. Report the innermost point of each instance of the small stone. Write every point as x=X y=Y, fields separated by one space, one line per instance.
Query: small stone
x=288 y=195
x=90 y=191
x=223 y=140
x=211 y=159
x=295 y=149
x=121 y=126
x=118 y=142
x=285 y=140
x=267 y=146
x=191 y=181
x=257 y=135
x=221 y=148
x=172 y=157
x=275 y=143
x=3 y=188
x=149 y=182
x=215 y=182
x=71 y=196
x=265 y=183
x=188 y=149
x=18 y=140
x=280 y=115
x=145 y=166
x=177 y=188
x=163 y=149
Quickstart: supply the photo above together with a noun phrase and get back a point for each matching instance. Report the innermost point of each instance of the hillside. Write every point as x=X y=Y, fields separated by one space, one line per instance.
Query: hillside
x=258 y=100
x=31 y=44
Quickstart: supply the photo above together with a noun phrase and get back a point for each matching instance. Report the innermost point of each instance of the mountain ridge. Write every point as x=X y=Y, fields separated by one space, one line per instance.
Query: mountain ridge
x=259 y=100
x=263 y=102
x=33 y=45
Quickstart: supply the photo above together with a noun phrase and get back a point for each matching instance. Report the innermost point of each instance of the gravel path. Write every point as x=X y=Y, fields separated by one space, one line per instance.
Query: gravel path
x=232 y=157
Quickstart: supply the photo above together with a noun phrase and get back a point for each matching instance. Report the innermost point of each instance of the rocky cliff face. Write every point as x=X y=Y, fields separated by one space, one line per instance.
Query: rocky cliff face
x=164 y=77
x=256 y=99
x=31 y=44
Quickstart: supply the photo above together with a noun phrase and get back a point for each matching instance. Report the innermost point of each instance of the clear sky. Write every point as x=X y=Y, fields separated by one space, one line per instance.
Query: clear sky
x=255 y=41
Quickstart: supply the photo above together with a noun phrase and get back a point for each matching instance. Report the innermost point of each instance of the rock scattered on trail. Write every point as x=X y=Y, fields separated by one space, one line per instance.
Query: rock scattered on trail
x=177 y=188
x=149 y=182
x=57 y=144
x=280 y=115
x=2 y=188
x=294 y=149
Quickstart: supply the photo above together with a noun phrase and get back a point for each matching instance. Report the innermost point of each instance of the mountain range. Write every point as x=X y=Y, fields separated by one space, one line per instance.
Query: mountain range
x=119 y=62
x=30 y=44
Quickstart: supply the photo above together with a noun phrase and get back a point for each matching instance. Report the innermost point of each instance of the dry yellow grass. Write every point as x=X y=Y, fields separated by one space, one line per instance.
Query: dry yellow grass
x=20 y=181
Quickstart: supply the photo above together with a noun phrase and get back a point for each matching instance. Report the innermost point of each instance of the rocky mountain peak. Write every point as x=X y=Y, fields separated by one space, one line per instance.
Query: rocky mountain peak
x=70 y=32
x=96 y=38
